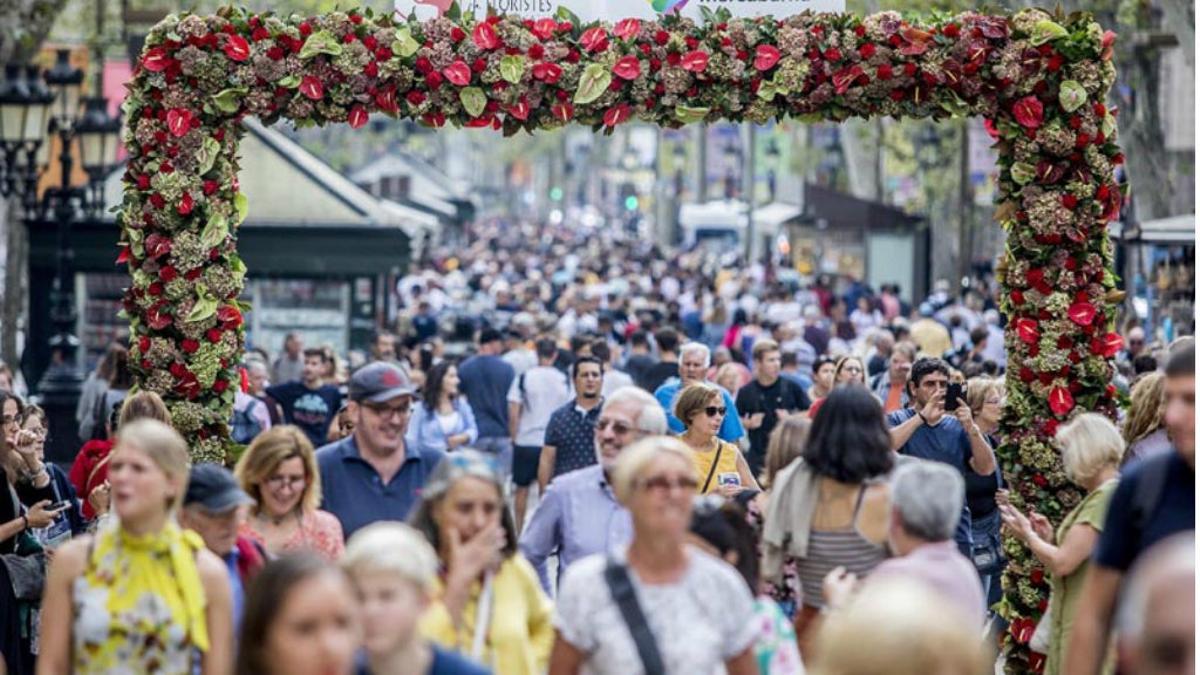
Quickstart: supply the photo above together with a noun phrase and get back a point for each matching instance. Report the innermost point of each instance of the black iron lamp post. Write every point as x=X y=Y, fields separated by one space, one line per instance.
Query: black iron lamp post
x=45 y=113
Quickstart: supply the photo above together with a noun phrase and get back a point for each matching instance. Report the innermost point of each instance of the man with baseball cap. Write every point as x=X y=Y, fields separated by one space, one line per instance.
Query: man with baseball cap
x=371 y=475
x=212 y=507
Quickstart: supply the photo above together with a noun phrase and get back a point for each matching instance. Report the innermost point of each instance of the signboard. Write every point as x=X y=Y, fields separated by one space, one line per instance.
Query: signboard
x=615 y=10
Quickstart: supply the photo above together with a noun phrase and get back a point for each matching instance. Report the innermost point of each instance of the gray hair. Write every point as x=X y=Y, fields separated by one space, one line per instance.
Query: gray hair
x=928 y=497
x=696 y=348
x=464 y=463
x=650 y=419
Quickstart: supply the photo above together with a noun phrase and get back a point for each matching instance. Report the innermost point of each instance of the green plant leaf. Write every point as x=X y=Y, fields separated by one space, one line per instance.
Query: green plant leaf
x=1046 y=30
x=593 y=83
x=207 y=156
x=1071 y=95
x=215 y=230
x=227 y=100
x=473 y=100
x=289 y=82
x=567 y=15
x=690 y=115
x=242 y=204
x=320 y=42
x=1022 y=173
x=454 y=12
x=205 y=307
x=405 y=45
x=512 y=68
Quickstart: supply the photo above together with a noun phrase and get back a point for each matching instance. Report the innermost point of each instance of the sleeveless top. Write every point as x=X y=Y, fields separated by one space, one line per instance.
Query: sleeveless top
x=139 y=604
x=726 y=472
x=830 y=548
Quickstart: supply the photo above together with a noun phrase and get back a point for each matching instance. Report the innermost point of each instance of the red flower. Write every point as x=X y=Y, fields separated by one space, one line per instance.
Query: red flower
x=371 y=69
x=884 y=72
x=357 y=117
x=433 y=80
x=1027 y=375
x=547 y=72
x=661 y=38
x=458 y=73
x=520 y=110
x=1017 y=297
x=1061 y=401
x=616 y=115
x=484 y=36
x=1028 y=112
x=311 y=87
x=179 y=121
x=210 y=186
x=1027 y=331
x=695 y=62
x=220 y=385
x=123 y=256
x=866 y=51
x=1108 y=346
x=143 y=182
x=563 y=111
x=544 y=28
x=213 y=335
x=1082 y=313
x=1040 y=480
x=155 y=289
x=1022 y=629
x=594 y=39
x=765 y=57
x=1069 y=201
x=190 y=346
x=156 y=59
x=832 y=54
x=415 y=98
x=157 y=201
x=185 y=204
x=236 y=48
x=628 y=68
x=627 y=29
x=950 y=30
x=1037 y=576
x=1050 y=427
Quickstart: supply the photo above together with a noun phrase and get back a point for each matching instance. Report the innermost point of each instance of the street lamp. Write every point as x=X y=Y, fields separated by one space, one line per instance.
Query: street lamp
x=30 y=114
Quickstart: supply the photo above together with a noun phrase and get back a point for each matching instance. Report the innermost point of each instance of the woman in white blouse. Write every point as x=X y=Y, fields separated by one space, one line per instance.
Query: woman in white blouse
x=442 y=419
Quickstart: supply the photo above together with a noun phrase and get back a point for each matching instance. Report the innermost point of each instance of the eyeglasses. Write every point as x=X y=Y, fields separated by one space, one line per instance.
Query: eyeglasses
x=280 y=482
x=10 y=419
x=715 y=411
x=665 y=483
x=389 y=411
x=619 y=428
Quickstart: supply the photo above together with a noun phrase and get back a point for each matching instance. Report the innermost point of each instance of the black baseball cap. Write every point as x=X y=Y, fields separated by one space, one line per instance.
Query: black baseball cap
x=379 y=381
x=214 y=489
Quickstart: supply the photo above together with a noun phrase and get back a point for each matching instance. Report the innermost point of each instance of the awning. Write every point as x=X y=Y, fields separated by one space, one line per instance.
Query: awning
x=1172 y=230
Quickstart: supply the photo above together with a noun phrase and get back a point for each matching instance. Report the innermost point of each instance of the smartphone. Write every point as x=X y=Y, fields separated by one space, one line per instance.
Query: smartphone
x=730 y=478
x=954 y=396
x=58 y=506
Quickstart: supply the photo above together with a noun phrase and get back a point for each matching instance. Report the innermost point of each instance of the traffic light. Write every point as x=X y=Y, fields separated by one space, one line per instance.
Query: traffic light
x=631 y=203
x=556 y=193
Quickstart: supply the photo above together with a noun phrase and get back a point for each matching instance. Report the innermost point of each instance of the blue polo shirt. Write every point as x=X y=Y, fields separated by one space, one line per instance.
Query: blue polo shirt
x=946 y=442
x=731 y=427
x=353 y=491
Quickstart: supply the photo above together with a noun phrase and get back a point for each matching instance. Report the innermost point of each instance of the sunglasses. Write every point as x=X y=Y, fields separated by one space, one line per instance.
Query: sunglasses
x=665 y=484
x=619 y=428
x=715 y=411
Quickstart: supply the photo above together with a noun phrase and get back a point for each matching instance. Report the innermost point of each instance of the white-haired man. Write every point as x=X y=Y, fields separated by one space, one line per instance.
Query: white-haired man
x=579 y=515
x=694 y=359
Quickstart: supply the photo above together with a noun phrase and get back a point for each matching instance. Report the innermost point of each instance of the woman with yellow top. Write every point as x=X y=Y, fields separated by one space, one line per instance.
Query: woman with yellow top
x=488 y=603
x=720 y=466
x=141 y=595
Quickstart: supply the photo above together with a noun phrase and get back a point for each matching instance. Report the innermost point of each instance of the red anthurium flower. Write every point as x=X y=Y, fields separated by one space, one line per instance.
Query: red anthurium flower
x=484 y=36
x=156 y=59
x=1017 y=297
x=1028 y=112
x=123 y=256
x=158 y=319
x=695 y=62
x=846 y=77
x=544 y=28
x=229 y=314
x=185 y=204
x=236 y=48
x=358 y=117
x=563 y=111
x=1022 y=629
x=1027 y=330
x=481 y=122
x=627 y=68
x=144 y=344
x=594 y=39
x=1037 y=661
x=1108 y=346
x=627 y=29
x=1082 y=313
x=190 y=346
x=458 y=73
x=213 y=335
x=157 y=245
x=434 y=119
x=616 y=115
x=311 y=87
x=549 y=73
x=179 y=121
x=1069 y=201
x=1061 y=401
x=1037 y=576
x=765 y=57
x=520 y=110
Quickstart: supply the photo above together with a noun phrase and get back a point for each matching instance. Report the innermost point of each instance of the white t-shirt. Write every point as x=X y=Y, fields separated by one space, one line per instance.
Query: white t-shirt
x=614 y=380
x=545 y=390
x=698 y=622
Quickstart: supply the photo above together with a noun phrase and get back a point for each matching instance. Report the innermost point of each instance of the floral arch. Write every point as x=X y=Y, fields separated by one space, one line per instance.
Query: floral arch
x=1039 y=80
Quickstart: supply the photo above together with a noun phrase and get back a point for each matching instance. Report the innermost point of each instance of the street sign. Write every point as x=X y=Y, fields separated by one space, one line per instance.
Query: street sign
x=615 y=10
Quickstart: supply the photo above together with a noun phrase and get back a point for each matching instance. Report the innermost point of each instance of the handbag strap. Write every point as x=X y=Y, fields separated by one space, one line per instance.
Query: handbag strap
x=712 y=469
x=483 y=619
x=621 y=587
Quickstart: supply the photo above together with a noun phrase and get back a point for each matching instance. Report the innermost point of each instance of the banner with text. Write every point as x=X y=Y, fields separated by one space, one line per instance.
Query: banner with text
x=615 y=10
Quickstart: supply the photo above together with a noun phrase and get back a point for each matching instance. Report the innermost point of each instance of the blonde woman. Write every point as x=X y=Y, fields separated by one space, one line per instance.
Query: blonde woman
x=1143 y=430
x=279 y=471
x=985 y=398
x=720 y=466
x=141 y=595
x=1091 y=450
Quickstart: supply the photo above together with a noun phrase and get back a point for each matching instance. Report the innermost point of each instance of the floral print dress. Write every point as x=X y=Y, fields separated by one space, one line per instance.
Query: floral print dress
x=139 y=605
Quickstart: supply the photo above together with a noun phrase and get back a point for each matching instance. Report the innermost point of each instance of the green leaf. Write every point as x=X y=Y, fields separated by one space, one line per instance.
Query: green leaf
x=473 y=100
x=512 y=68
x=227 y=100
x=215 y=230
x=767 y=90
x=1071 y=95
x=207 y=156
x=593 y=83
x=1108 y=126
x=289 y=82
x=690 y=115
x=1022 y=173
x=242 y=204
x=405 y=45
x=454 y=12
x=1046 y=30
x=320 y=42
x=205 y=307
x=565 y=14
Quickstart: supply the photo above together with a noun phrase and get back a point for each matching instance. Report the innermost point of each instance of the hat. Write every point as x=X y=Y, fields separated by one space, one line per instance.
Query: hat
x=214 y=489
x=379 y=381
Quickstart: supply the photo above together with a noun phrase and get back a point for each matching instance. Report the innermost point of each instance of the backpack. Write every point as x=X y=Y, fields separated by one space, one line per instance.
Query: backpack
x=243 y=428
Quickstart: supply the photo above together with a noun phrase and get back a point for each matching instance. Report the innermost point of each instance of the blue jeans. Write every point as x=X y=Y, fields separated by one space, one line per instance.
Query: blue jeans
x=985 y=535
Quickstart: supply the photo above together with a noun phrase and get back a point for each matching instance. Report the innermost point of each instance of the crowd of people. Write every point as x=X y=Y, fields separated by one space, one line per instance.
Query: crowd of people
x=636 y=466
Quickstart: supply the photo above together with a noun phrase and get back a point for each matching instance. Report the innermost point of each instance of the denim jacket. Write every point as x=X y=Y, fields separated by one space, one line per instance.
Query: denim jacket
x=426 y=433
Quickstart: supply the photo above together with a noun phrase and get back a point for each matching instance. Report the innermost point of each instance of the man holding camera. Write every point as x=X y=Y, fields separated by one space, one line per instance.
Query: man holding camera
x=925 y=430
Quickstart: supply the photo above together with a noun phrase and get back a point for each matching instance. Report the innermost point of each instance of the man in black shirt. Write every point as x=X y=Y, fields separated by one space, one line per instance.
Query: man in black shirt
x=668 y=361
x=639 y=360
x=309 y=404
x=765 y=399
